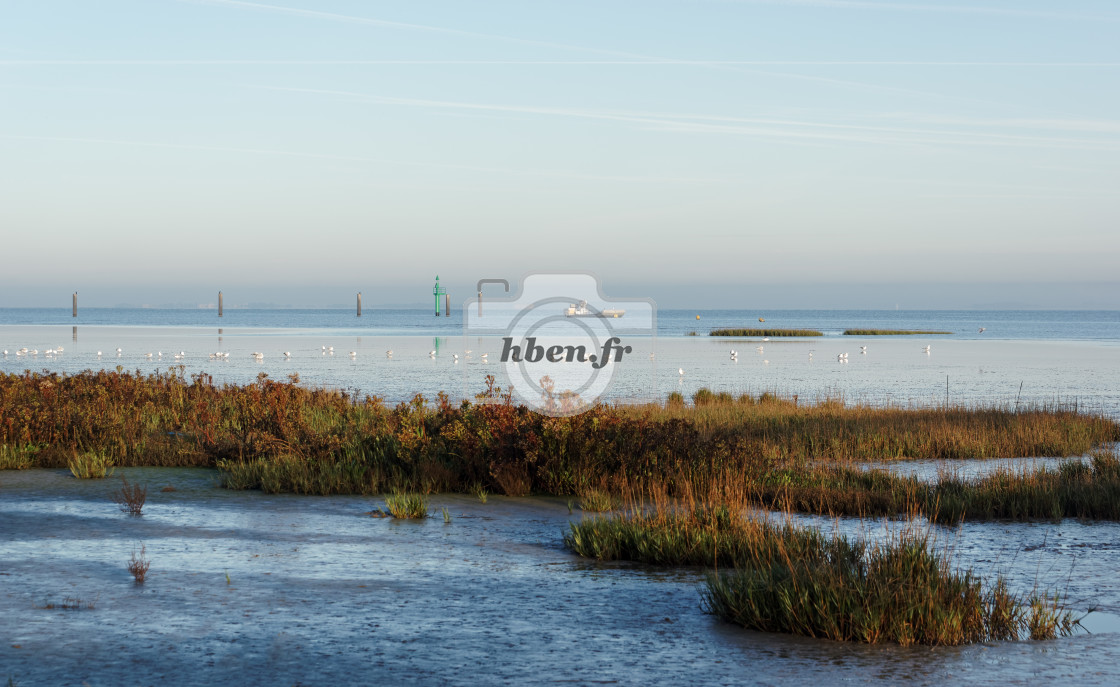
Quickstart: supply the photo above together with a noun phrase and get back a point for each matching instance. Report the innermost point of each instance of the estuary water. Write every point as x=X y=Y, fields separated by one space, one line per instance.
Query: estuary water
x=280 y=589
x=284 y=589
x=1021 y=357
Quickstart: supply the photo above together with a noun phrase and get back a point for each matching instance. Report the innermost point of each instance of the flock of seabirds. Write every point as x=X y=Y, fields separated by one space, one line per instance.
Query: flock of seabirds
x=217 y=355
x=329 y=351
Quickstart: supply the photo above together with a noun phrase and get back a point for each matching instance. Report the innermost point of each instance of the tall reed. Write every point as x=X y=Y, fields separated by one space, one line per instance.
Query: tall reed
x=17 y=457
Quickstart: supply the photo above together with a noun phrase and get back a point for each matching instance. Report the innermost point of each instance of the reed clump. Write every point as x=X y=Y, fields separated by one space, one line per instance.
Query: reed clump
x=891 y=332
x=782 y=578
x=407 y=506
x=90 y=464
x=765 y=332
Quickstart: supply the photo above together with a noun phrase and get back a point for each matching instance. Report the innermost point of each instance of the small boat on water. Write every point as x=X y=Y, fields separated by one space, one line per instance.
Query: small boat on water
x=581 y=310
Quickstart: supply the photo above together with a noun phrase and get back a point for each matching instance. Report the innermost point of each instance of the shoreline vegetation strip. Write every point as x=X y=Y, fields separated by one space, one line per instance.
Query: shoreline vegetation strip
x=765 y=332
x=777 y=333
x=780 y=452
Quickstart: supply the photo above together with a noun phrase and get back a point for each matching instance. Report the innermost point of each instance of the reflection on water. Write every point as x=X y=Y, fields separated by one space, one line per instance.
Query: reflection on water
x=970 y=468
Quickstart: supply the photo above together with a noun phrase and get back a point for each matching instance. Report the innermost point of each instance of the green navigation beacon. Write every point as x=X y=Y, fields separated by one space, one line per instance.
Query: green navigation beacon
x=438 y=291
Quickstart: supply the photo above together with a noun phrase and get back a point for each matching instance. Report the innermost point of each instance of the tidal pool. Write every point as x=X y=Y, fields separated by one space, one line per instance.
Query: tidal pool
x=264 y=589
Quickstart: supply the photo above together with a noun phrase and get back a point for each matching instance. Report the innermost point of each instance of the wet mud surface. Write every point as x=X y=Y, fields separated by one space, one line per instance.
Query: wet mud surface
x=255 y=589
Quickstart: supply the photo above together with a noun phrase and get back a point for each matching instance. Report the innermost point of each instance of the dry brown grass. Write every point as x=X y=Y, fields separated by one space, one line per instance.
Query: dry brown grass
x=281 y=437
x=130 y=497
x=138 y=565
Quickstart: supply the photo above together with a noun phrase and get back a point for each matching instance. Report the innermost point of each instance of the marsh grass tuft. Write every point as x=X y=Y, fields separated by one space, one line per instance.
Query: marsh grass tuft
x=407 y=505
x=898 y=591
x=138 y=565
x=707 y=397
x=446 y=515
x=782 y=578
x=1047 y=618
x=90 y=465
x=130 y=497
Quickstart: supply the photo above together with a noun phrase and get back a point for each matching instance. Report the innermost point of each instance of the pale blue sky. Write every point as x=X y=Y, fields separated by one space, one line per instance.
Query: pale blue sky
x=704 y=153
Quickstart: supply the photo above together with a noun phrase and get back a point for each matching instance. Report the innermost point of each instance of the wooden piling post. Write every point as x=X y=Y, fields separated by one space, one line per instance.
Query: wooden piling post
x=447 y=305
x=219 y=304
x=359 y=304
x=480 y=302
x=75 y=313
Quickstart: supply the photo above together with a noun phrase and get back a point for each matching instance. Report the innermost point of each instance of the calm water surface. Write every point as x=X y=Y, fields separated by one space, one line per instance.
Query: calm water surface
x=1025 y=357
x=319 y=593
x=282 y=589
